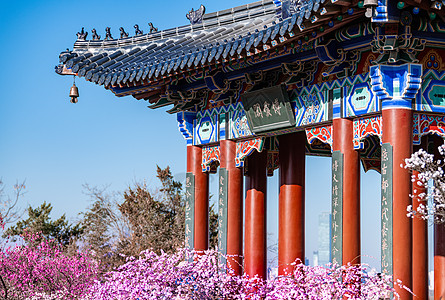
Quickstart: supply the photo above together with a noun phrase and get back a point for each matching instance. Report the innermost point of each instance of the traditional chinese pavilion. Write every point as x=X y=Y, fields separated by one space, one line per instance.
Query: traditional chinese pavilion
x=259 y=86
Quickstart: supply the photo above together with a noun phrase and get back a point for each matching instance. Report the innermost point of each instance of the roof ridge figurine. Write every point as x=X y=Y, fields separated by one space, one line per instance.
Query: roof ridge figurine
x=123 y=33
x=152 y=28
x=82 y=35
x=137 y=31
x=108 y=34
x=195 y=16
x=94 y=34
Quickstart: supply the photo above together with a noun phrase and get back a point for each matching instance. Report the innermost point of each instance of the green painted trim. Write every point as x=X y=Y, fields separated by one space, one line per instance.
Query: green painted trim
x=222 y=212
x=387 y=209
x=189 y=210
x=337 y=208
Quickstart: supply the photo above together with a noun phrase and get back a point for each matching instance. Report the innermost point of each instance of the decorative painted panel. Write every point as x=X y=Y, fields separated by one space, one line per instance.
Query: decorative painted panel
x=356 y=100
x=245 y=148
x=322 y=102
x=238 y=124
x=396 y=86
x=386 y=218
x=209 y=155
x=310 y=106
x=345 y=97
x=364 y=127
x=432 y=96
x=206 y=130
x=185 y=125
x=425 y=124
x=337 y=208
x=222 y=214
x=223 y=124
x=360 y=100
x=322 y=133
x=189 y=210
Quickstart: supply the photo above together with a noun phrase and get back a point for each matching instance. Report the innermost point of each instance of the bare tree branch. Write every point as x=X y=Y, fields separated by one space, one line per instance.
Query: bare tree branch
x=9 y=211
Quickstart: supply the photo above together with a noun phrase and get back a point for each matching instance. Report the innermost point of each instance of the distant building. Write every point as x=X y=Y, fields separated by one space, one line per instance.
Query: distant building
x=431 y=285
x=324 y=238
x=272 y=273
x=315 y=258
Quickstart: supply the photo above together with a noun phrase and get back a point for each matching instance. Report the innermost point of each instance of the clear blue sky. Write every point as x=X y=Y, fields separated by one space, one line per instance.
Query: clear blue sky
x=104 y=140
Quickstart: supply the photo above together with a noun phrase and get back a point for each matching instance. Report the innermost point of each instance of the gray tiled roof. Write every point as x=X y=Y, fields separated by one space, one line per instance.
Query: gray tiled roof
x=150 y=56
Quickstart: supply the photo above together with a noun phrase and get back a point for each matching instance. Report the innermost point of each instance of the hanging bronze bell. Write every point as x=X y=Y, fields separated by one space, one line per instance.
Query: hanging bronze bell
x=74 y=93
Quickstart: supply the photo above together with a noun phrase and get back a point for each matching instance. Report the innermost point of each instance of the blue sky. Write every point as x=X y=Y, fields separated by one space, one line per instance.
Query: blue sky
x=103 y=140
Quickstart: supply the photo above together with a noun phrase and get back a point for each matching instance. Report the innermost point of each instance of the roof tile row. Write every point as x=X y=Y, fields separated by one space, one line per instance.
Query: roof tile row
x=146 y=57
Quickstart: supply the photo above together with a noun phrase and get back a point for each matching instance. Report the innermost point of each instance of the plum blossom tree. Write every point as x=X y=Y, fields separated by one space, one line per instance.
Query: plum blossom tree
x=185 y=275
x=429 y=170
x=40 y=269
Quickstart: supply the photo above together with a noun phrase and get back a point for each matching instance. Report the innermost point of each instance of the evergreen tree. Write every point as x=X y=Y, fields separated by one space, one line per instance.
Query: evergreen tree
x=39 y=221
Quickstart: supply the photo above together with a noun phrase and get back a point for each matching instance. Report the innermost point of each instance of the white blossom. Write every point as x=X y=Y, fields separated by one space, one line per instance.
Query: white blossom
x=430 y=170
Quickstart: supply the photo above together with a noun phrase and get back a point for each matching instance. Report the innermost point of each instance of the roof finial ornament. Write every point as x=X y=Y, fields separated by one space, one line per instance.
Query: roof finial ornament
x=82 y=35
x=123 y=33
x=108 y=34
x=96 y=37
x=137 y=31
x=195 y=16
x=152 y=28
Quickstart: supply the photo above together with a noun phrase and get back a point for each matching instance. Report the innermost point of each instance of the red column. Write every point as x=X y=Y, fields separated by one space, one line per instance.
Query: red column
x=234 y=207
x=343 y=141
x=439 y=261
x=291 y=201
x=420 y=248
x=255 y=226
x=201 y=234
x=439 y=243
x=397 y=130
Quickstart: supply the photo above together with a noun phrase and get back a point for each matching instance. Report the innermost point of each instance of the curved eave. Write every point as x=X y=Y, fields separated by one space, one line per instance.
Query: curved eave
x=146 y=59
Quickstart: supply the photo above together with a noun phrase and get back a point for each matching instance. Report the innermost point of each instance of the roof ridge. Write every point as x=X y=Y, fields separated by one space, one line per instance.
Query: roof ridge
x=237 y=9
x=214 y=19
